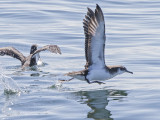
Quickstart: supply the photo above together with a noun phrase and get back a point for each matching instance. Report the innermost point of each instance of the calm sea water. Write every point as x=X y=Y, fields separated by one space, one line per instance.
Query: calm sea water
x=133 y=40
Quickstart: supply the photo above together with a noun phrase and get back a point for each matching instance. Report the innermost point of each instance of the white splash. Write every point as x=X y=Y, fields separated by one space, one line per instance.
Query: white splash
x=8 y=84
x=59 y=80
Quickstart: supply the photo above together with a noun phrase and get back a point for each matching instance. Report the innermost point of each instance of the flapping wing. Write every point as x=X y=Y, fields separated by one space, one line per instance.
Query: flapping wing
x=11 y=51
x=51 y=48
x=94 y=30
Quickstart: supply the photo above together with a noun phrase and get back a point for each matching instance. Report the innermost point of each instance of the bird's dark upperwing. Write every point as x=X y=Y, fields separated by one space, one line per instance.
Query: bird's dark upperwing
x=94 y=29
x=51 y=48
x=11 y=51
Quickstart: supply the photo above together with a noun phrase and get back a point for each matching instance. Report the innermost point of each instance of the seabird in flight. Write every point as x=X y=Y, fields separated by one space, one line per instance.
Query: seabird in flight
x=95 y=69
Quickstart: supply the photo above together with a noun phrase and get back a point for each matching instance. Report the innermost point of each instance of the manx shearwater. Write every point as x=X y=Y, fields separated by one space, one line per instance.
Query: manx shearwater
x=33 y=58
x=95 y=69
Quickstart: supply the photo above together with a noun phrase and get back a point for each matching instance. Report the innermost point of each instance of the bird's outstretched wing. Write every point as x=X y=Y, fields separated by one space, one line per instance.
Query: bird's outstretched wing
x=11 y=51
x=51 y=48
x=94 y=30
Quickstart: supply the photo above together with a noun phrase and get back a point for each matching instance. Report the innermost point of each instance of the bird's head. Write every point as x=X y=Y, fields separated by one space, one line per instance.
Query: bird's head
x=122 y=69
x=33 y=48
x=115 y=70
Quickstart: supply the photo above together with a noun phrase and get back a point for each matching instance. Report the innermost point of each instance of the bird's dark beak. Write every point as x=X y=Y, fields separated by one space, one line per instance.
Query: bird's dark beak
x=129 y=71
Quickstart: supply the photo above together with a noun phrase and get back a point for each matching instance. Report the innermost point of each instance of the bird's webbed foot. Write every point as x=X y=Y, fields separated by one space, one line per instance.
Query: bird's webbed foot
x=66 y=80
x=98 y=82
x=95 y=82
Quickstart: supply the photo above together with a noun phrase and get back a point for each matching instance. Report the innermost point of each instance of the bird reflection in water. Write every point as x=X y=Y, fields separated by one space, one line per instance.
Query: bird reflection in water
x=98 y=101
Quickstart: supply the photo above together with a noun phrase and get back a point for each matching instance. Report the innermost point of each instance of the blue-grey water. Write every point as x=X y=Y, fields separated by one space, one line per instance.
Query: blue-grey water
x=133 y=40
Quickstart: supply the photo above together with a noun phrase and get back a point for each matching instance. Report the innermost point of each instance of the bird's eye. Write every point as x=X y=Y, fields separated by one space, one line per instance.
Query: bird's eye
x=122 y=68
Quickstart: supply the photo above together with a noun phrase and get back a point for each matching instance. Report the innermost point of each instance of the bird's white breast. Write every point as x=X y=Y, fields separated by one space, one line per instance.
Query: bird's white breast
x=38 y=60
x=98 y=74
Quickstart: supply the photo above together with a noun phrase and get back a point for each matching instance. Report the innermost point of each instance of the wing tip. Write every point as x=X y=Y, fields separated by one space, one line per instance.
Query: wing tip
x=55 y=49
x=98 y=13
x=96 y=16
x=97 y=6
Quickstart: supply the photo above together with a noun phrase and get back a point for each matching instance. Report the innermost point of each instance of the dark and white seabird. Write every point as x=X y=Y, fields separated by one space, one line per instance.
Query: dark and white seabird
x=95 y=68
x=33 y=58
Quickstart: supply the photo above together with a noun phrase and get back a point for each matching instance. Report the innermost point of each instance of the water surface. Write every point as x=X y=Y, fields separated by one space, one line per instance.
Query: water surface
x=132 y=32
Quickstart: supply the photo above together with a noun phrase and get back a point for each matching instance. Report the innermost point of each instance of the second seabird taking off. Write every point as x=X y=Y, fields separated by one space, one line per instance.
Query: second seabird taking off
x=95 y=68
x=33 y=58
